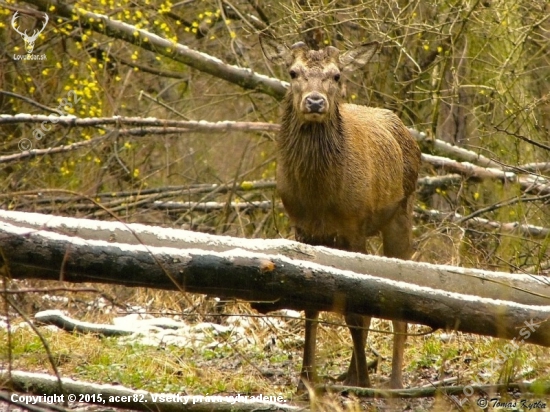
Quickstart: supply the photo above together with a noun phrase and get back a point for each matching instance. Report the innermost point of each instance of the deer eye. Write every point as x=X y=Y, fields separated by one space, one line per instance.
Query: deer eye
x=293 y=74
x=337 y=77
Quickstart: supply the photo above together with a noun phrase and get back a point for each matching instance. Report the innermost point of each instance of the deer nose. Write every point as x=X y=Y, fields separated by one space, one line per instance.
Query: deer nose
x=315 y=103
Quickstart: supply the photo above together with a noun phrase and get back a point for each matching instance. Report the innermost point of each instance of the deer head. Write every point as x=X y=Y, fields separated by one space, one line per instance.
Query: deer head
x=29 y=40
x=315 y=74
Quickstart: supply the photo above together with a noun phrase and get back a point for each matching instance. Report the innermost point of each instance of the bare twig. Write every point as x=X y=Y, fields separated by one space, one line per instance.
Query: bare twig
x=30 y=101
x=524 y=138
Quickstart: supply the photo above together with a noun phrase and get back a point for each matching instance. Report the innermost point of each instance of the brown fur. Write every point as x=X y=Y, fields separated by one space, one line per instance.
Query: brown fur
x=345 y=172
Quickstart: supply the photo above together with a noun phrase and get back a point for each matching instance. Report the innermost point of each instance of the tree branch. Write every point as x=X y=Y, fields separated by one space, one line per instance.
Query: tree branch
x=191 y=125
x=121 y=397
x=535 y=232
x=524 y=387
x=529 y=184
x=102 y=24
x=451 y=150
x=147 y=126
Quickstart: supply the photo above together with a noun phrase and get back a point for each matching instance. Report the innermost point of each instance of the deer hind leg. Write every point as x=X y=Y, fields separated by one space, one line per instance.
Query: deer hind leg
x=308 y=374
x=397 y=239
x=400 y=330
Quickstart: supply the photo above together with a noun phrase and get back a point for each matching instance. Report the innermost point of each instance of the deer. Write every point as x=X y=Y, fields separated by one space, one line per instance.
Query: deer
x=345 y=172
x=29 y=40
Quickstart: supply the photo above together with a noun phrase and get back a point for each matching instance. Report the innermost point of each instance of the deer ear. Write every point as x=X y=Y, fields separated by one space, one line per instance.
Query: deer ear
x=274 y=50
x=358 y=57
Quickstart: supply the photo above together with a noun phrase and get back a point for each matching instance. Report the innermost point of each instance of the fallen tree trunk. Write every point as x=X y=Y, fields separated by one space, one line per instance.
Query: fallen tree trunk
x=295 y=284
x=526 y=289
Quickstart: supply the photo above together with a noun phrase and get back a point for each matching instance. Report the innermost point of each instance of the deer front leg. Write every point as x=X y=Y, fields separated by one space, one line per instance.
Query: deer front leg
x=358 y=374
x=308 y=374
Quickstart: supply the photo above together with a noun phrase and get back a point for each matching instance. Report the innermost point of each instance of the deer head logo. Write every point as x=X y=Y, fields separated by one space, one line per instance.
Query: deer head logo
x=29 y=40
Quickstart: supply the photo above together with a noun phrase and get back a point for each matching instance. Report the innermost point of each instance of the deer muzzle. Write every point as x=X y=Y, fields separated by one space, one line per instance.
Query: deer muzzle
x=315 y=103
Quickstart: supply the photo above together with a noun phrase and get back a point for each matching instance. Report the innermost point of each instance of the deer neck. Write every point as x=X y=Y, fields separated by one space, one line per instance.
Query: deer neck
x=311 y=147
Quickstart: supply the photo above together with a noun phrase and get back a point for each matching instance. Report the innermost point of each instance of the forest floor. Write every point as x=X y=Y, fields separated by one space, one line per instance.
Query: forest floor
x=193 y=345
